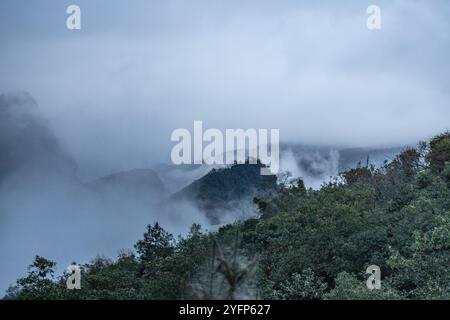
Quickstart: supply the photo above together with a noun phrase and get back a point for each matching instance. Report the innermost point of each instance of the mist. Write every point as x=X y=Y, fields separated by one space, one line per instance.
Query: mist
x=47 y=210
x=105 y=99
x=117 y=88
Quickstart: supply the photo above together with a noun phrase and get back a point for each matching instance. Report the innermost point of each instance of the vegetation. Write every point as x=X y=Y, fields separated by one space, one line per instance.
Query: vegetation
x=306 y=244
x=226 y=189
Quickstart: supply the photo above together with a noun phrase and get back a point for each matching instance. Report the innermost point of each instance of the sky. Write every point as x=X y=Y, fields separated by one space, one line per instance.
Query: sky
x=137 y=70
x=114 y=91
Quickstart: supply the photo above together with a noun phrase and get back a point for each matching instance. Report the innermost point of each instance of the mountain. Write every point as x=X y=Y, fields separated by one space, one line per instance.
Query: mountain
x=176 y=177
x=227 y=189
x=136 y=182
x=27 y=143
x=351 y=157
x=316 y=164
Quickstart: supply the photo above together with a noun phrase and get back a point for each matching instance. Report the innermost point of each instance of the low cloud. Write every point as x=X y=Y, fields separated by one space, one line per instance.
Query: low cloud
x=115 y=91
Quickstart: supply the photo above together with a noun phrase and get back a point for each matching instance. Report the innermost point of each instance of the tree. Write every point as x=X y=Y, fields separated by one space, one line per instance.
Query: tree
x=425 y=273
x=302 y=286
x=38 y=284
x=309 y=244
x=348 y=287
x=157 y=243
x=439 y=151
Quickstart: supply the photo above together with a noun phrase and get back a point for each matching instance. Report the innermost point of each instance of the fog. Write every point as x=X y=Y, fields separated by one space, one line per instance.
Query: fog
x=107 y=97
x=45 y=209
x=118 y=87
x=68 y=224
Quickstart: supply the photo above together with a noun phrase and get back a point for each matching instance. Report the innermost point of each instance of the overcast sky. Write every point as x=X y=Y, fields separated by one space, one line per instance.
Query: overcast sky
x=137 y=70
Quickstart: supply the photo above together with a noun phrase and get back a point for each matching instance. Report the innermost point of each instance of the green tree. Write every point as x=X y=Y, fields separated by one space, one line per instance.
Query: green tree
x=302 y=286
x=348 y=287
x=439 y=151
x=38 y=284
x=157 y=243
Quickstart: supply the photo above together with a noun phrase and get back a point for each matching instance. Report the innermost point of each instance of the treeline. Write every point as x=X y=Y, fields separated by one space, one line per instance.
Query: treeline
x=306 y=244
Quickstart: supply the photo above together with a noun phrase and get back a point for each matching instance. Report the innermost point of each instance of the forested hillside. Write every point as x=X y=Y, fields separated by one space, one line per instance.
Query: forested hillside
x=228 y=189
x=306 y=244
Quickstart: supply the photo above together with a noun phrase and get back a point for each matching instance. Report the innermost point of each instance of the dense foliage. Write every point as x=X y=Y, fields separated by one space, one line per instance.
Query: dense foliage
x=307 y=244
x=226 y=189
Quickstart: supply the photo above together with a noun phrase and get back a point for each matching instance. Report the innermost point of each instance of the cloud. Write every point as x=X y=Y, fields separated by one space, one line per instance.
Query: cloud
x=116 y=89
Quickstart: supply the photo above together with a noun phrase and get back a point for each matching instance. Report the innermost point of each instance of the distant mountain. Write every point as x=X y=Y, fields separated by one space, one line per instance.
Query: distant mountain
x=27 y=143
x=351 y=157
x=176 y=177
x=316 y=164
x=136 y=182
x=227 y=189
x=345 y=158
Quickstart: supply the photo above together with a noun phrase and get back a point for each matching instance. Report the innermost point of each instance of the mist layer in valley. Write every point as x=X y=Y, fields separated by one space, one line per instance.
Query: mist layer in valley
x=46 y=209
